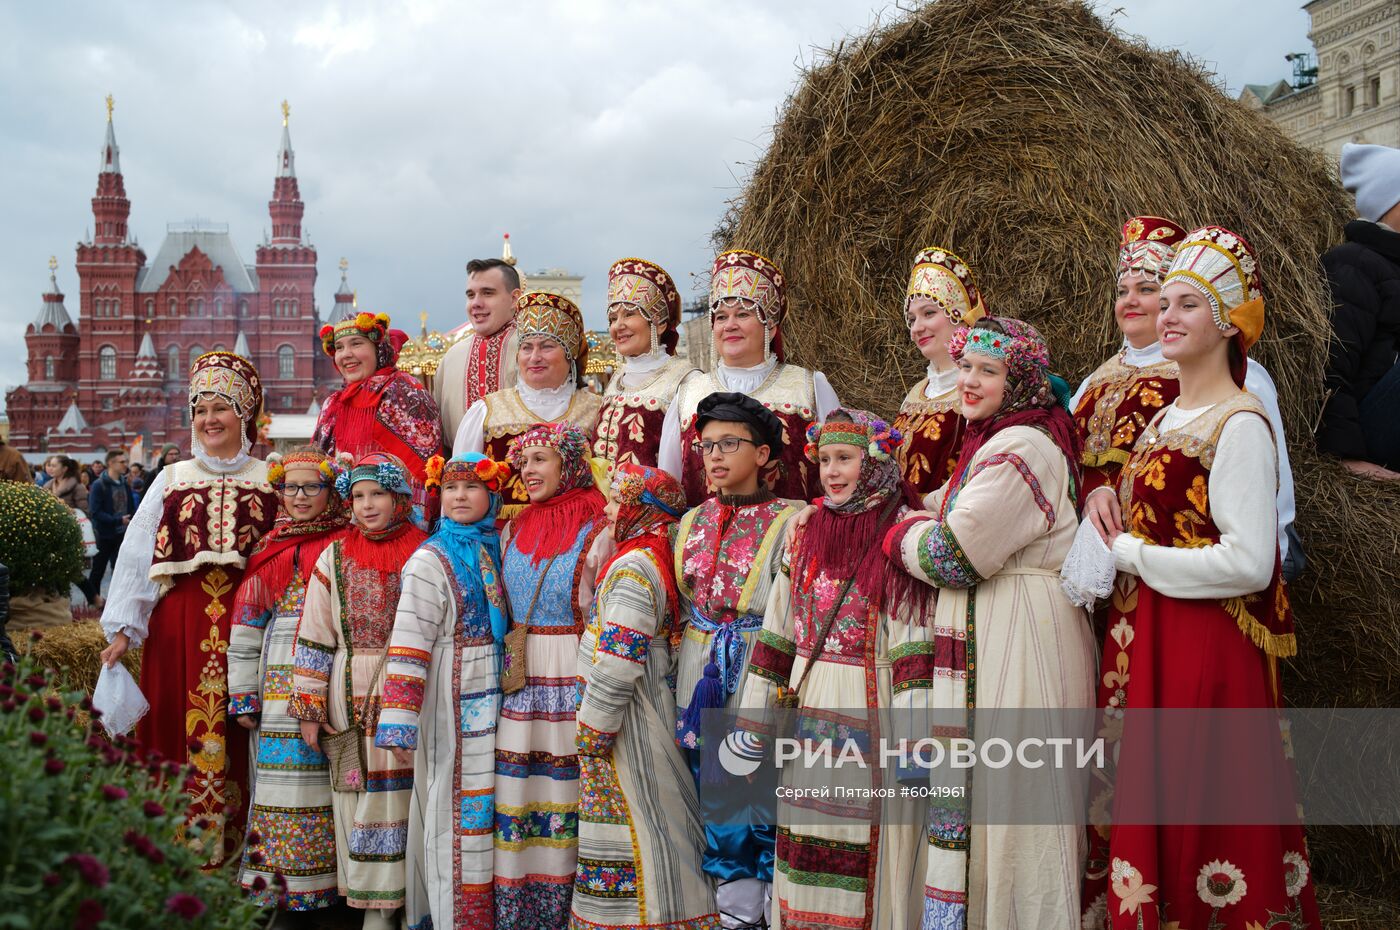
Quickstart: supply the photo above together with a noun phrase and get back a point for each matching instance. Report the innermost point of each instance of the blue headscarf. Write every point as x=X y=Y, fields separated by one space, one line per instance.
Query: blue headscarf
x=462 y=544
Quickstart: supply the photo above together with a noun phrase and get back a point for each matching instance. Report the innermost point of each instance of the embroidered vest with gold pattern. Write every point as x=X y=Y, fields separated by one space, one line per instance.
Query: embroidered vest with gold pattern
x=1164 y=493
x=210 y=519
x=1117 y=405
x=933 y=432
x=629 y=424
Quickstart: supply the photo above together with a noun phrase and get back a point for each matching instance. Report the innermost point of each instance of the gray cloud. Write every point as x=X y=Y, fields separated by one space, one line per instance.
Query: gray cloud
x=588 y=130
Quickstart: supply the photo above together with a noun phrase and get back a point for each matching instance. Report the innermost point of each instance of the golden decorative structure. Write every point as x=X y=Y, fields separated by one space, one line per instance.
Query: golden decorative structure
x=53 y=263
x=286 y=111
x=420 y=357
x=602 y=354
x=110 y=104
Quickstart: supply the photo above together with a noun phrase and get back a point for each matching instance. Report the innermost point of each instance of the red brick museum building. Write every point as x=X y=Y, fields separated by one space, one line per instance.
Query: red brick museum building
x=120 y=372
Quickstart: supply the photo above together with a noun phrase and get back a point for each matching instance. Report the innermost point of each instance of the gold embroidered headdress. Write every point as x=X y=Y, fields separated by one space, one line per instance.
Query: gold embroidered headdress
x=541 y=314
x=636 y=282
x=757 y=283
x=945 y=279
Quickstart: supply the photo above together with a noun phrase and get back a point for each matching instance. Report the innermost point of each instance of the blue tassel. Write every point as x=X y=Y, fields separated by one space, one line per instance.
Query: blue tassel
x=708 y=694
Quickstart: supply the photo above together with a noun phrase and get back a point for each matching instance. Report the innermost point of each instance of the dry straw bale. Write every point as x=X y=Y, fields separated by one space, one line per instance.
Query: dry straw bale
x=75 y=649
x=1022 y=135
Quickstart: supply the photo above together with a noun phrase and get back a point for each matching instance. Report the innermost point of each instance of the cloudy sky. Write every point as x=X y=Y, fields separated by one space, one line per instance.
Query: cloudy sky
x=587 y=129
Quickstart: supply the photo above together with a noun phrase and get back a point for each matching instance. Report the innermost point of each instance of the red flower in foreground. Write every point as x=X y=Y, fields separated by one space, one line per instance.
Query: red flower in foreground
x=258 y=885
x=54 y=766
x=38 y=738
x=89 y=915
x=90 y=868
x=113 y=792
x=153 y=809
x=184 y=905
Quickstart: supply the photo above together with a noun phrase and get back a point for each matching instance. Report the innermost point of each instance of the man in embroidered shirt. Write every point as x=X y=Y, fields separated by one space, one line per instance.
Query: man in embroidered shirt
x=483 y=362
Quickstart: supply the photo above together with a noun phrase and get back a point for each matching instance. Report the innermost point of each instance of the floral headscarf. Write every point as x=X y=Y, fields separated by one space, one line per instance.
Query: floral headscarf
x=843 y=540
x=462 y=543
x=564 y=438
x=385 y=550
x=649 y=500
x=546 y=528
x=880 y=477
x=1034 y=397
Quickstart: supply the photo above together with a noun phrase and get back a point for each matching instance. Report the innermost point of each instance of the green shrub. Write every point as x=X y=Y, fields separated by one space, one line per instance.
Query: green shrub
x=39 y=540
x=90 y=832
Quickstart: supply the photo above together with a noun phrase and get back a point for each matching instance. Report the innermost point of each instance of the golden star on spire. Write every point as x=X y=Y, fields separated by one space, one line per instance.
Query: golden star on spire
x=53 y=263
x=110 y=105
x=286 y=112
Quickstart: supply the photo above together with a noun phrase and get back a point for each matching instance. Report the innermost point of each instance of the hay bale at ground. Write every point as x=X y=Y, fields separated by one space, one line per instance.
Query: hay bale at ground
x=1022 y=135
x=75 y=650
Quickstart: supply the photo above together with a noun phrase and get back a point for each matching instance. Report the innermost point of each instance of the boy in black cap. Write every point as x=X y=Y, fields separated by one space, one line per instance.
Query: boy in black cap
x=727 y=552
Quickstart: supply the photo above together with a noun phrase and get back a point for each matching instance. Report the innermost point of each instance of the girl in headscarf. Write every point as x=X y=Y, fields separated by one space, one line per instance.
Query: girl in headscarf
x=178 y=569
x=838 y=614
x=1198 y=619
x=640 y=837
x=380 y=409
x=291 y=831
x=553 y=550
x=994 y=543
x=338 y=681
x=941 y=297
x=442 y=694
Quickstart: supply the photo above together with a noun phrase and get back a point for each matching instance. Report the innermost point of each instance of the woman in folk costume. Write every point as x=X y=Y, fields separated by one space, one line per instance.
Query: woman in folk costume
x=442 y=694
x=553 y=551
x=1199 y=619
x=291 y=830
x=994 y=545
x=338 y=680
x=839 y=613
x=640 y=837
x=553 y=355
x=942 y=296
x=1115 y=403
x=174 y=583
x=644 y=318
x=747 y=308
x=380 y=409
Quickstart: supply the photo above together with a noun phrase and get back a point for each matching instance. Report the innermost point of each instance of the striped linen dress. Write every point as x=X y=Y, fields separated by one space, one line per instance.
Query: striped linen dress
x=441 y=697
x=536 y=760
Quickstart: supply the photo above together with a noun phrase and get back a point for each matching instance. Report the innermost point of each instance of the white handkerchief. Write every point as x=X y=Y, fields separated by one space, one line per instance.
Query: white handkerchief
x=1088 y=573
x=120 y=699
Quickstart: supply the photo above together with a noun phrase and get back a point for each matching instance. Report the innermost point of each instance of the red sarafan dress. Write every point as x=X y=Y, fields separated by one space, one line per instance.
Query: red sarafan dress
x=209 y=522
x=1219 y=650
x=932 y=423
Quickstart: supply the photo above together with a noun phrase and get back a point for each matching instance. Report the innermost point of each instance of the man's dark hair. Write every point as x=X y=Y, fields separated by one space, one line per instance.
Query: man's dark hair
x=113 y=454
x=512 y=277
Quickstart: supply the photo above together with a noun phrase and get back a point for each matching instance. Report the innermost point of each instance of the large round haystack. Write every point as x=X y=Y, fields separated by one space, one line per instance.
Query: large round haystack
x=1022 y=135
